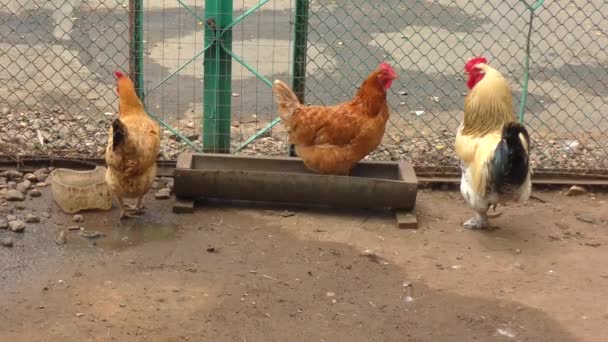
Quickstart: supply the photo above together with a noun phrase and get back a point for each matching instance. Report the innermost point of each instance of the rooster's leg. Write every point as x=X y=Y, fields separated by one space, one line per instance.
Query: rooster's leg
x=478 y=222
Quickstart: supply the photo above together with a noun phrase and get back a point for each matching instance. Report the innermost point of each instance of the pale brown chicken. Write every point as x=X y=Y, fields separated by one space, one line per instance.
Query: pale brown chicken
x=133 y=144
x=333 y=139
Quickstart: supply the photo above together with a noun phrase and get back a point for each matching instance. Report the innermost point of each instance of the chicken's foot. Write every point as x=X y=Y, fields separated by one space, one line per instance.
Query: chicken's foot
x=478 y=222
x=128 y=211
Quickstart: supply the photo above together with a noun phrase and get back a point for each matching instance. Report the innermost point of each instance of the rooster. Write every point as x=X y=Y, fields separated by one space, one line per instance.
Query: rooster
x=331 y=140
x=492 y=146
x=133 y=144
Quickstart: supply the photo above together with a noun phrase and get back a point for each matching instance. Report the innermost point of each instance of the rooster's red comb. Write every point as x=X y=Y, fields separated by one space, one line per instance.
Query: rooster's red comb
x=119 y=74
x=473 y=62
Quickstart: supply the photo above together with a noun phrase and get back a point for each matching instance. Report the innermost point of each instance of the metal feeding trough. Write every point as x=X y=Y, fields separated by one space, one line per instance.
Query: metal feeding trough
x=371 y=185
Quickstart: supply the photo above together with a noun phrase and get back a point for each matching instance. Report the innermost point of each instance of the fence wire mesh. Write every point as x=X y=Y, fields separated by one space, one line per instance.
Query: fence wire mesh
x=57 y=58
x=56 y=64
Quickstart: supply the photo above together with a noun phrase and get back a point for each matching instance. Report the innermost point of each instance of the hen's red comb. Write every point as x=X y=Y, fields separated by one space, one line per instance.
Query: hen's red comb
x=473 y=62
x=387 y=67
x=119 y=74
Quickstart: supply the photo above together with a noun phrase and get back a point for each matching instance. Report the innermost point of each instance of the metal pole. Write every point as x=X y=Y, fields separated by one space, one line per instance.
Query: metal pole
x=217 y=78
x=136 y=51
x=300 y=44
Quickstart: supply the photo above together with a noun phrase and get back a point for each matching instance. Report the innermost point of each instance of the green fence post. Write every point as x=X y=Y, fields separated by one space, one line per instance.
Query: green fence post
x=136 y=51
x=300 y=44
x=217 y=78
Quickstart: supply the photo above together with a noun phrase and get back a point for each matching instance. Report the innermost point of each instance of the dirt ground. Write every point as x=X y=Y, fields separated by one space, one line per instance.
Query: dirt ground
x=228 y=273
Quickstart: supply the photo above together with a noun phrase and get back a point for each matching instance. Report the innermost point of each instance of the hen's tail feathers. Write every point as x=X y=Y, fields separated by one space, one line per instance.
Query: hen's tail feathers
x=119 y=134
x=511 y=158
x=286 y=99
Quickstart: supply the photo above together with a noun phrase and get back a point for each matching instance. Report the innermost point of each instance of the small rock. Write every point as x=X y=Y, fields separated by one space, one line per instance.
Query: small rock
x=31 y=218
x=19 y=206
x=11 y=185
x=3 y=224
x=61 y=238
x=41 y=175
x=24 y=186
x=31 y=177
x=17 y=226
x=576 y=190
x=10 y=218
x=35 y=193
x=45 y=214
x=163 y=194
x=41 y=184
x=14 y=195
x=585 y=218
x=79 y=314
x=92 y=235
x=593 y=244
x=78 y=218
x=74 y=228
x=14 y=175
x=6 y=242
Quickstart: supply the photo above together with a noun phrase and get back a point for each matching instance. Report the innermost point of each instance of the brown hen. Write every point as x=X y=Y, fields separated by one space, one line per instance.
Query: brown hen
x=333 y=139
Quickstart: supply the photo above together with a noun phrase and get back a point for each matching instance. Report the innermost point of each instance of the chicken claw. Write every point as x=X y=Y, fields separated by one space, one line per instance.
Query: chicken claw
x=129 y=214
x=480 y=221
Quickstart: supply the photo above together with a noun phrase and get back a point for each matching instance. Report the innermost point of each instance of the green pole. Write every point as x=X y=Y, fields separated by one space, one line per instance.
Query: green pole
x=136 y=51
x=217 y=78
x=300 y=44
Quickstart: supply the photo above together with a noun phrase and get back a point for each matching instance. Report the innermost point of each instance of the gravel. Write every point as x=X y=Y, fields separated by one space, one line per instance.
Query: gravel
x=6 y=242
x=14 y=195
x=17 y=226
x=79 y=136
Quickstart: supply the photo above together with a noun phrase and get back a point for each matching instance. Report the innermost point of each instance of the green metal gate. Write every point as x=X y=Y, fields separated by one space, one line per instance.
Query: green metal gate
x=217 y=56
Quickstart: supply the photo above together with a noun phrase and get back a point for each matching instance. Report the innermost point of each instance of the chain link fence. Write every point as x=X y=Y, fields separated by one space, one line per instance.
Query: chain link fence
x=57 y=58
x=56 y=64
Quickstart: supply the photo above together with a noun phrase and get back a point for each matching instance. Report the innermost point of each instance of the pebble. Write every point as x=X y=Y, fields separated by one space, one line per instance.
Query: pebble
x=78 y=218
x=11 y=185
x=14 y=175
x=585 y=218
x=41 y=175
x=31 y=218
x=10 y=218
x=41 y=184
x=6 y=242
x=61 y=238
x=14 y=195
x=31 y=177
x=163 y=194
x=576 y=190
x=3 y=224
x=17 y=226
x=24 y=186
x=35 y=193
x=45 y=214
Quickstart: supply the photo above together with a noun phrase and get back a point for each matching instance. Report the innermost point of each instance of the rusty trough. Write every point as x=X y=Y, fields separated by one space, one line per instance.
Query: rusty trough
x=371 y=185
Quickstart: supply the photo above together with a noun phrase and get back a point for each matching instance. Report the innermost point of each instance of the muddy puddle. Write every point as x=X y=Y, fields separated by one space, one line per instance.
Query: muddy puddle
x=120 y=236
